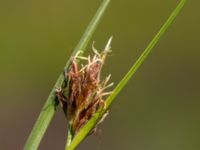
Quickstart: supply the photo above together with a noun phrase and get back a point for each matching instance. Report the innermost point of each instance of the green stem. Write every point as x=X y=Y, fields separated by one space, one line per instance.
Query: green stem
x=94 y=120
x=49 y=108
x=69 y=134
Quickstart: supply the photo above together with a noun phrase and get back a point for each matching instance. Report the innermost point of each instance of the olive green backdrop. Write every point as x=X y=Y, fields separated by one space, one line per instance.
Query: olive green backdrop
x=157 y=110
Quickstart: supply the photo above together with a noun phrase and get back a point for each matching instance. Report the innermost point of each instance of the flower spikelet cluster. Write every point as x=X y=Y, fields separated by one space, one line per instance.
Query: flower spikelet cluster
x=84 y=91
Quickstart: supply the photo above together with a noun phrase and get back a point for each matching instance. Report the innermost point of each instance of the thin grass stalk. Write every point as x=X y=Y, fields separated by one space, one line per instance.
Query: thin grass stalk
x=94 y=120
x=48 y=111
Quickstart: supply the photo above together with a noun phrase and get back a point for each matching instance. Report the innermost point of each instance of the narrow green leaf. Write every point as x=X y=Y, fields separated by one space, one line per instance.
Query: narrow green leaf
x=49 y=108
x=94 y=120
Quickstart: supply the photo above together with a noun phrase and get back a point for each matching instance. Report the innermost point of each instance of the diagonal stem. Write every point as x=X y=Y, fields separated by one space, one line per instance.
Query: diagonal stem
x=48 y=111
x=94 y=120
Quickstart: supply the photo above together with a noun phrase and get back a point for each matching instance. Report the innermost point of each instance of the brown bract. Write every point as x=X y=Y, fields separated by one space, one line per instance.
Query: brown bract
x=83 y=94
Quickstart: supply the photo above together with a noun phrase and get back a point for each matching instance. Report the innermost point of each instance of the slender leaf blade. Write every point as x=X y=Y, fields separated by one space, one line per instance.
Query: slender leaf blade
x=94 y=120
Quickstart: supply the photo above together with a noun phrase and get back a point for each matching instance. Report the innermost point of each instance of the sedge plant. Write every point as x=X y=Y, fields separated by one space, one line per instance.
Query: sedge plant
x=80 y=91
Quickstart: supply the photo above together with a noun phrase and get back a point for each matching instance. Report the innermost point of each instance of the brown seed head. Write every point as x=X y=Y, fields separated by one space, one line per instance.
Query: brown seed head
x=83 y=94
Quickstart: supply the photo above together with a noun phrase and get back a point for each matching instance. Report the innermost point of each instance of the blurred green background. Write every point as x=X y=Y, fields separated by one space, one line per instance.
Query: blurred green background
x=157 y=110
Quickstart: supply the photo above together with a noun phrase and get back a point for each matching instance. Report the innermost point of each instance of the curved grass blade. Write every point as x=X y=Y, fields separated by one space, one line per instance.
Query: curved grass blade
x=94 y=120
x=49 y=108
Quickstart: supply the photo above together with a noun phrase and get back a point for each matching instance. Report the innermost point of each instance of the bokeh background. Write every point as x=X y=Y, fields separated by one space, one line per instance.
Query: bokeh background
x=157 y=110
